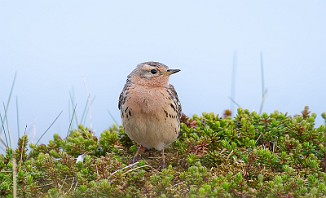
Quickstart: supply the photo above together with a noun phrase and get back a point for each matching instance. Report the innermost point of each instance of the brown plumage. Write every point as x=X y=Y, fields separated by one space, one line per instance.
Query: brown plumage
x=150 y=108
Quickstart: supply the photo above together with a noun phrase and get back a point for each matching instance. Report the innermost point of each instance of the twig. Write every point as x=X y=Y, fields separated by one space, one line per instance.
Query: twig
x=136 y=169
x=224 y=149
x=258 y=137
x=72 y=183
x=49 y=184
x=14 y=174
x=177 y=184
x=98 y=175
x=76 y=185
x=229 y=155
x=275 y=144
x=6 y=171
x=22 y=150
x=154 y=157
x=130 y=165
x=63 y=183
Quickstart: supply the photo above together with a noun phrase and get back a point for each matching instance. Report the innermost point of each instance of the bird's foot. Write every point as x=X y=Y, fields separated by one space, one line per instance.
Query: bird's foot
x=163 y=165
x=140 y=150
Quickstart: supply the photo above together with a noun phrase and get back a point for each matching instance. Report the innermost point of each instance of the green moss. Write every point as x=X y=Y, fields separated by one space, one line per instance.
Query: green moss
x=250 y=155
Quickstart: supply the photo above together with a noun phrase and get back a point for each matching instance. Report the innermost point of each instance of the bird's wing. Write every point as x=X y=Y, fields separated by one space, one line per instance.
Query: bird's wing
x=123 y=95
x=175 y=99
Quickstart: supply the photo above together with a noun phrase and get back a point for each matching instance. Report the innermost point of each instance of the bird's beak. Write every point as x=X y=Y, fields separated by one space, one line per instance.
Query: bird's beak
x=172 y=71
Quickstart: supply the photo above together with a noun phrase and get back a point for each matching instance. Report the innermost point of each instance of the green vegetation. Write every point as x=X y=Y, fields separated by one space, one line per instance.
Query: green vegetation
x=250 y=155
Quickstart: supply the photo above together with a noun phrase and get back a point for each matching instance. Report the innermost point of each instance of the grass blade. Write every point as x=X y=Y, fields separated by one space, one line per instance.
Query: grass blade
x=262 y=102
x=72 y=118
x=233 y=101
x=5 y=121
x=262 y=74
x=263 y=90
x=17 y=113
x=4 y=132
x=2 y=142
x=85 y=110
x=234 y=70
x=114 y=120
x=73 y=104
x=4 y=118
x=49 y=127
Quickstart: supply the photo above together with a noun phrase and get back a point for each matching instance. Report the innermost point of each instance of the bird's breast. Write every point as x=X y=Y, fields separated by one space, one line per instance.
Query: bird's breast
x=147 y=101
x=149 y=117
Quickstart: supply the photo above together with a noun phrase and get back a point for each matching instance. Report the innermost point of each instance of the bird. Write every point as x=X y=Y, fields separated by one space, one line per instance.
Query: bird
x=150 y=108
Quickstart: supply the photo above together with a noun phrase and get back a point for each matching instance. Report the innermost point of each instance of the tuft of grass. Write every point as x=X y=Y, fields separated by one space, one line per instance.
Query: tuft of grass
x=4 y=119
x=86 y=110
x=8 y=146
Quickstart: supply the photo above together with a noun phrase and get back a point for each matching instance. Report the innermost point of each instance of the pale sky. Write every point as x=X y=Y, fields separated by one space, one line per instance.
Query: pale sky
x=89 y=47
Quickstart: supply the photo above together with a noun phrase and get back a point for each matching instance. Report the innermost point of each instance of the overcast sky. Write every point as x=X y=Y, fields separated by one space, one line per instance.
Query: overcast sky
x=82 y=48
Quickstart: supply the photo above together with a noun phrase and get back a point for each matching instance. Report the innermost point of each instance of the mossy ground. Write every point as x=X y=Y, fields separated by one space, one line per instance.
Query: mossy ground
x=250 y=155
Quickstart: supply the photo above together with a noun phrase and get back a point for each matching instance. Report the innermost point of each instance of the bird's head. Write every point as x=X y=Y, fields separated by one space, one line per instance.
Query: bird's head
x=151 y=74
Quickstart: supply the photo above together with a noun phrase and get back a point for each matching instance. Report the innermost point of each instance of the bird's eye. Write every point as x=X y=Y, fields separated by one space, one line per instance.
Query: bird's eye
x=153 y=71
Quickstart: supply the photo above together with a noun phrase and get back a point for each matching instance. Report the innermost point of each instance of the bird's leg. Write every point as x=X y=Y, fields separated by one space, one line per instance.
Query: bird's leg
x=163 y=159
x=140 y=149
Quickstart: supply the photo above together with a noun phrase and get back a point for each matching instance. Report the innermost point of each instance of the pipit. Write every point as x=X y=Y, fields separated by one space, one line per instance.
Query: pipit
x=150 y=108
